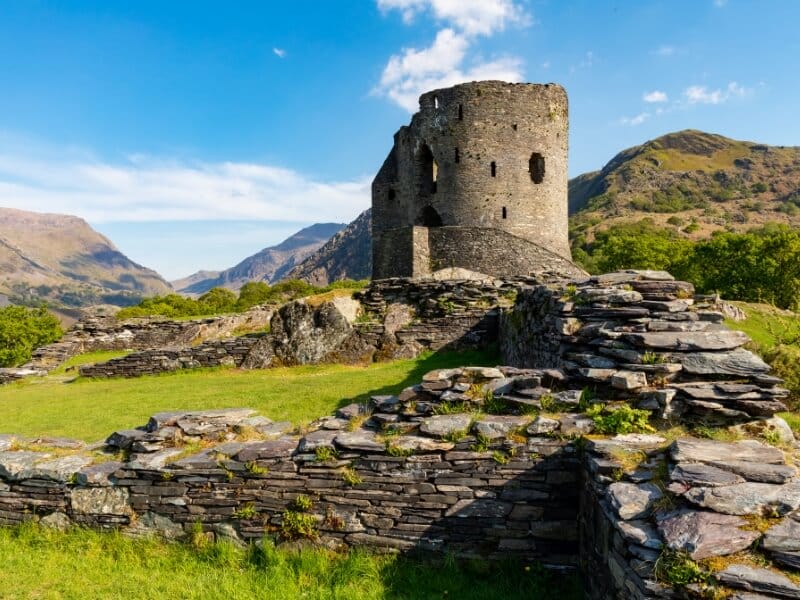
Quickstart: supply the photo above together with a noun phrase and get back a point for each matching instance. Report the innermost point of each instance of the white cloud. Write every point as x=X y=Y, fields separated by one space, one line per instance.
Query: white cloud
x=279 y=52
x=143 y=188
x=665 y=51
x=414 y=72
x=634 y=121
x=655 y=96
x=700 y=94
x=472 y=17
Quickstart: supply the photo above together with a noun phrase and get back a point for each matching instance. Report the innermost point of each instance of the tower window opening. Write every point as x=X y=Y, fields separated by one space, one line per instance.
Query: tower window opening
x=457 y=156
x=392 y=194
x=536 y=167
x=427 y=171
x=460 y=112
x=436 y=102
x=505 y=212
x=494 y=169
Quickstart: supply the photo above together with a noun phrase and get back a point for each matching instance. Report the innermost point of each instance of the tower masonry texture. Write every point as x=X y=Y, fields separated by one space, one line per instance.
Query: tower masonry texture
x=478 y=180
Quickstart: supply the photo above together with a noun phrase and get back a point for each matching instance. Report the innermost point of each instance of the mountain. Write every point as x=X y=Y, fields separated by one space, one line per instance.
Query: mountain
x=270 y=264
x=61 y=260
x=692 y=181
x=347 y=255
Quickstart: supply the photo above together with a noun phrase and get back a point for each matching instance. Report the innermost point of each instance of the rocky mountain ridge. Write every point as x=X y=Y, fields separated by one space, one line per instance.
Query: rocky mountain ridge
x=270 y=264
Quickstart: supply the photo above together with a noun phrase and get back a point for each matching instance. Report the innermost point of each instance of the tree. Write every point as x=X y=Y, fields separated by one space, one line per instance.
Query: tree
x=217 y=300
x=24 y=329
x=252 y=293
x=640 y=245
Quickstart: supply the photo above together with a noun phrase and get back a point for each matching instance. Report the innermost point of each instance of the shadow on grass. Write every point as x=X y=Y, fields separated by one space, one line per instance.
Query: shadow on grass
x=434 y=360
x=410 y=578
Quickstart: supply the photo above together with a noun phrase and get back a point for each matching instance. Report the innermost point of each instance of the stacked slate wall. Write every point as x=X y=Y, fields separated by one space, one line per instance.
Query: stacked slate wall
x=399 y=318
x=641 y=336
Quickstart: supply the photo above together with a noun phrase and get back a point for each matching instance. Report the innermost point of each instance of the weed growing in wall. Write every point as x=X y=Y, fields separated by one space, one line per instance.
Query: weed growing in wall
x=298 y=525
x=351 y=477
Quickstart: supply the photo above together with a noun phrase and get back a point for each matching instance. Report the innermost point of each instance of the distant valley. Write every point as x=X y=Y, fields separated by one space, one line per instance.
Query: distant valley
x=269 y=265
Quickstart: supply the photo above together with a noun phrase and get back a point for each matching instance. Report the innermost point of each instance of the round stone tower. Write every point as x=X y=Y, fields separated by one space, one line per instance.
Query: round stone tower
x=478 y=180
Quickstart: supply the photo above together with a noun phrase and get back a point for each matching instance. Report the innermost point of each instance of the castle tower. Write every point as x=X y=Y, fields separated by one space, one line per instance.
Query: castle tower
x=478 y=180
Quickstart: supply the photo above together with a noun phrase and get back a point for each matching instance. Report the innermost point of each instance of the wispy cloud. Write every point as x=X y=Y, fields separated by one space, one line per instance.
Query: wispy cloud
x=146 y=188
x=637 y=120
x=720 y=3
x=656 y=96
x=472 y=17
x=691 y=97
x=279 y=52
x=446 y=61
x=700 y=94
x=665 y=51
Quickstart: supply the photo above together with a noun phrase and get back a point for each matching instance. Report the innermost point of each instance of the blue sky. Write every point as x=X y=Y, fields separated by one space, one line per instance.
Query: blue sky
x=196 y=133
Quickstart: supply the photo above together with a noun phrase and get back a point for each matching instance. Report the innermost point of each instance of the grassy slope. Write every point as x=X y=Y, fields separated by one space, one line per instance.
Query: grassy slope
x=86 y=565
x=91 y=410
x=708 y=177
x=776 y=335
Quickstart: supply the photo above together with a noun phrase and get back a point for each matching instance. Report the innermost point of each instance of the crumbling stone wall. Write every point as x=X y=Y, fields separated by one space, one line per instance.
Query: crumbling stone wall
x=641 y=335
x=481 y=156
x=97 y=333
x=230 y=352
x=399 y=318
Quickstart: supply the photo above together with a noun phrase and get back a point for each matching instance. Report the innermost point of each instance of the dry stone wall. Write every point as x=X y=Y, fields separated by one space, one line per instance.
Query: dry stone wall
x=98 y=333
x=640 y=335
x=399 y=318
x=230 y=352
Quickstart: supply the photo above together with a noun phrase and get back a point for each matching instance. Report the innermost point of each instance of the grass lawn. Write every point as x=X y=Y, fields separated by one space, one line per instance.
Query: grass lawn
x=86 y=565
x=92 y=409
x=776 y=337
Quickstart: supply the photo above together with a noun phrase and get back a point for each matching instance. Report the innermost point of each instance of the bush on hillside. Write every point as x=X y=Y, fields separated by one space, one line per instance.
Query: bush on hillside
x=24 y=329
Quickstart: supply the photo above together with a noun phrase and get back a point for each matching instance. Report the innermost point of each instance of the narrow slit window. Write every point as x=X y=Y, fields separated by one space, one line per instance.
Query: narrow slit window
x=436 y=102
x=457 y=156
x=494 y=169
x=392 y=194
x=505 y=212
x=536 y=167
x=460 y=112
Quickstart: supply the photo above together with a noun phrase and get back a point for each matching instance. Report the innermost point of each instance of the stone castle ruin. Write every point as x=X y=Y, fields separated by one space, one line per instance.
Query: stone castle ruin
x=478 y=180
x=578 y=451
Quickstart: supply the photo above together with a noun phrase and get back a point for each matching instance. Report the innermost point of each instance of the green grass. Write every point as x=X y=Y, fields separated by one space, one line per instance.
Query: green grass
x=776 y=337
x=766 y=325
x=85 y=565
x=91 y=409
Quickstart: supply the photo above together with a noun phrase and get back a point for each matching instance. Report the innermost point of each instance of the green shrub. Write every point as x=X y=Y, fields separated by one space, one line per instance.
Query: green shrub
x=621 y=420
x=24 y=329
